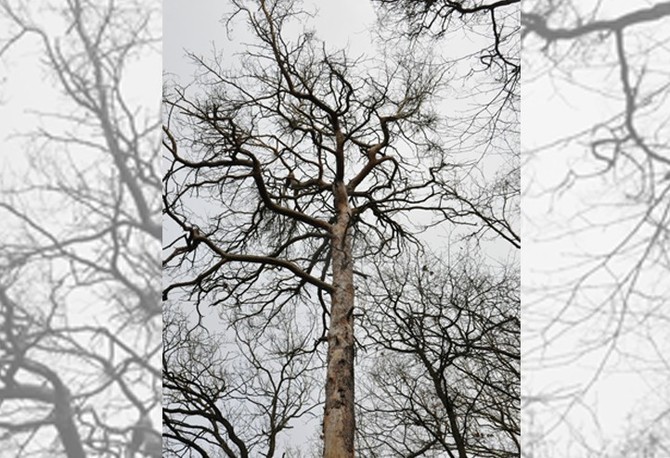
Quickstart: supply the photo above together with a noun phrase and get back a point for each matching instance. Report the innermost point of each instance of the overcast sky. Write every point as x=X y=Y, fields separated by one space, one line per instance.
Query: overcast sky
x=197 y=26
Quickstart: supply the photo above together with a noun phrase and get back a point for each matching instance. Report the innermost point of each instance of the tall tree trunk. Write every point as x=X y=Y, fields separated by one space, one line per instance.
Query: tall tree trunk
x=339 y=423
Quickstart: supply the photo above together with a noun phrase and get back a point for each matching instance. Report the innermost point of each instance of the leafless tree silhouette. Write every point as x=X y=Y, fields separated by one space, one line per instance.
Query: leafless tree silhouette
x=497 y=21
x=497 y=56
x=238 y=396
x=79 y=256
x=442 y=338
x=297 y=173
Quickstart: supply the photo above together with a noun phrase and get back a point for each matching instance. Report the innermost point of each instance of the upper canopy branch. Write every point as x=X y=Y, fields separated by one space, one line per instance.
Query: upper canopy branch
x=537 y=24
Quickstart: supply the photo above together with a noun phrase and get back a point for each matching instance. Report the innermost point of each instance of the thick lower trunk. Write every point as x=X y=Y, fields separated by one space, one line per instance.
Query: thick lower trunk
x=339 y=423
x=63 y=415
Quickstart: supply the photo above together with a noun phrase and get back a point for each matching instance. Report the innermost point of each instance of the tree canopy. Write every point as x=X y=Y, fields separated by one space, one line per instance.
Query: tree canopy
x=80 y=207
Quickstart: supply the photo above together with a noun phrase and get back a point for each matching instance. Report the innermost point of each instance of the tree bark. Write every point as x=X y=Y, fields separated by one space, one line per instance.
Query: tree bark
x=63 y=415
x=339 y=422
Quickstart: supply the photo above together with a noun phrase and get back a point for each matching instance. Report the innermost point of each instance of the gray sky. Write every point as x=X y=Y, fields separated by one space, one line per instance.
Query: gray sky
x=197 y=27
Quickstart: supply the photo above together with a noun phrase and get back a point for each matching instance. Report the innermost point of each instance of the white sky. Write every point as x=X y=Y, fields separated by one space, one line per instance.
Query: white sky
x=196 y=25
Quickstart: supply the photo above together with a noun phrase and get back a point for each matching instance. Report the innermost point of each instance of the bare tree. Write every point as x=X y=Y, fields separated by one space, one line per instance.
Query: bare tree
x=292 y=170
x=498 y=21
x=443 y=343
x=604 y=175
x=79 y=269
x=239 y=398
x=494 y=27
